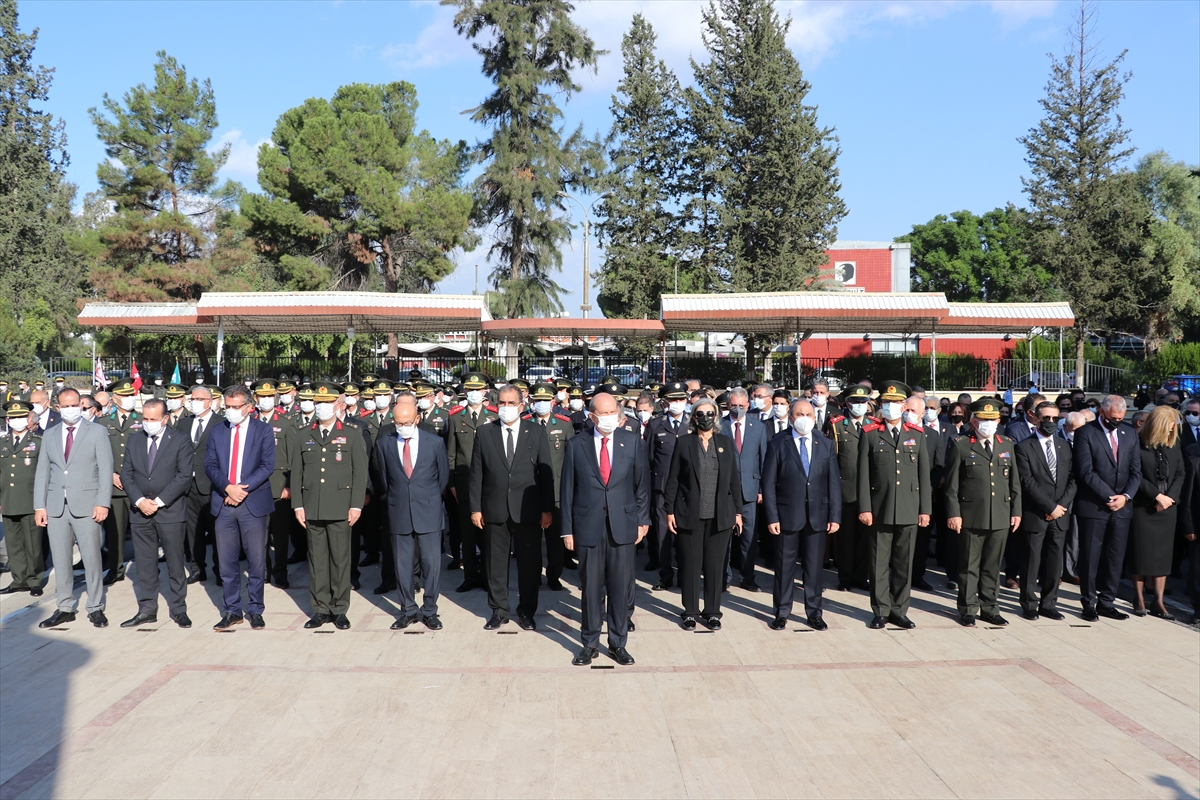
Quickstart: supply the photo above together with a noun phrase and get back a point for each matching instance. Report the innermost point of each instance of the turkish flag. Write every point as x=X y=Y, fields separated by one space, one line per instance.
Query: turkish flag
x=137 y=378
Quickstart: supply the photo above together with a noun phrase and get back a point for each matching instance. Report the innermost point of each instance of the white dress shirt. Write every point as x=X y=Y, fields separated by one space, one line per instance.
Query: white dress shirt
x=239 y=431
x=412 y=447
x=596 y=437
x=516 y=435
x=65 y=428
x=204 y=419
x=805 y=443
x=150 y=443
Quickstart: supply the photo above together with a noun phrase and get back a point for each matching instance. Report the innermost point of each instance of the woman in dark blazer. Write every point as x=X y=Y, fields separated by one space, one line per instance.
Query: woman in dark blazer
x=702 y=500
x=1155 y=515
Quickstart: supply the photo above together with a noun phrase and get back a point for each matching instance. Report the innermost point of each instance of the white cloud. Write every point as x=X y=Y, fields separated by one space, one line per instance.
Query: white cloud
x=1015 y=13
x=436 y=45
x=242 y=164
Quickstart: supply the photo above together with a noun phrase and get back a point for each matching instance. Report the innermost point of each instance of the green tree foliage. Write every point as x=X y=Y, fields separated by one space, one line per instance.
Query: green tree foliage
x=40 y=279
x=529 y=49
x=637 y=227
x=356 y=197
x=973 y=258
x=1173 y=191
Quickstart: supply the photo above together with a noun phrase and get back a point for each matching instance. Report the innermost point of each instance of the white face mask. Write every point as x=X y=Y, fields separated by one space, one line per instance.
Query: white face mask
x=158 y=382
x=911 y=418
x=39 y=409
x=542 y=407
x=196 y=407
x=474 y=398
x=756 y=404
x=644 y=416
x=266 y=404
x=152 y=427
x=18 y=424
x=987 y=427
x=562 y=397
x=931 y=415
x=59 y=384
x=369 y=405
x=125 y=403
x=286 y=399
x=307 y=406
x=781 y=411
x=576 y=404
x=819 y=400
x=677 y=407
x=804 y=425
x=324 y=411
x=351 y=400
x=406 y=431
x=174 y=403
x=1193 y=419
x=71 y=415
x=858 y=409
x=509 y=414
x=607 y=423
x=892 y=411
x=383 y=400
x=234 y=416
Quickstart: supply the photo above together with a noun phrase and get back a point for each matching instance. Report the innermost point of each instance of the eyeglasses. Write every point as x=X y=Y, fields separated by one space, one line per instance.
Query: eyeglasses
x=704 y=414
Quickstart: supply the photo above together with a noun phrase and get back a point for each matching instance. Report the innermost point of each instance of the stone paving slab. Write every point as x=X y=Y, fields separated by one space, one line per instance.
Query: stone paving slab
x=1039 y=709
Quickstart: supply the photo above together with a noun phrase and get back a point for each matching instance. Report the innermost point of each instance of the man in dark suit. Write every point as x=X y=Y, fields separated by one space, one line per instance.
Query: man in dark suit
x=1026 y=425
x=605 y=500
x=512 y=502
x=1108 y=472
x=749 y=436
x=661 y=436
x=411 y=473
x=47 y=415
x=199 y=528
x=1021 y=428
x=156 y=474
x=1189 y=523
x=1047 y=491
x=462 y=431
x=802 y=500
x=851 y=543
x=1191 y=422
x=239 y=460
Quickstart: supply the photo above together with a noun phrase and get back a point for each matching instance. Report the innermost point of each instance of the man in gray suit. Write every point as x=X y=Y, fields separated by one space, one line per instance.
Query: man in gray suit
x=71 y=494
x=749 y=435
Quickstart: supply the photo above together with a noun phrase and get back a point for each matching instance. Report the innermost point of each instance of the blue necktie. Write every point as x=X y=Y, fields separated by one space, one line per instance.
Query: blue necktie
x=804 y=453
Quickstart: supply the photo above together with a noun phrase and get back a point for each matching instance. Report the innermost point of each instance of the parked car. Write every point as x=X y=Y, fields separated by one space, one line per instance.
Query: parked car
x=628 y=374
x=654 y=370
x=590 y=375
x=539 y=373
x=835 y=378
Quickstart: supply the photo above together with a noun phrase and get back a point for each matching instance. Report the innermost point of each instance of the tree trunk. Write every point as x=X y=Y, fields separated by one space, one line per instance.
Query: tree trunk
x=751 y=356
x=1079 y=356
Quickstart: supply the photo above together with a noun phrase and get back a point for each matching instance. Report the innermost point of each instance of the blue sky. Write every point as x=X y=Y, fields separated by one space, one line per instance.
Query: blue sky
x=928 y=98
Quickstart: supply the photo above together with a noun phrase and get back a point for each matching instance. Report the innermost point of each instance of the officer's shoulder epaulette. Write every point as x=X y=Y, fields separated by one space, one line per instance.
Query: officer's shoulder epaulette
x=527 y=415
x=908 y=426
x=874 y=426
x=492 y=409
x=455 y=410
x=876 y=420
x=972 y=440
x=562 y=417
x=837 y=419
x=999 y=439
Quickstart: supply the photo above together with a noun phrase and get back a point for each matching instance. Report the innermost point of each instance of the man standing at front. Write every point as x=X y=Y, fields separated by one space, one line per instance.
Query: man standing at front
x=71 y=492
x=894 y=498
x=663 y=432
x=239 y=460
x=329 y=486
x=605 y=500
x=461 y=433
x=749 y=436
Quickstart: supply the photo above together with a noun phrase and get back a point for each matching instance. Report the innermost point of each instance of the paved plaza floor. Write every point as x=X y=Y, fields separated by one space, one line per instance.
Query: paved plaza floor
x=1039 y=709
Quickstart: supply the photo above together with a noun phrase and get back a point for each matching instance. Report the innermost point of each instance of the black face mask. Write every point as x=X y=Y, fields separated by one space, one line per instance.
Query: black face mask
x=956 y=420
x=1047 y=426
x=736 y=412
x=705 y=421
x=1111 y=424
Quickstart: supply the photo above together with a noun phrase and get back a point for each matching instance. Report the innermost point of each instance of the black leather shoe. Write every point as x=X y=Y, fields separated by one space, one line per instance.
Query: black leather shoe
x=384 y=588
x=778 y=624
x=1032 y=616
x=455 y=563
x=356 y=584
x=298 y=558
x=1167 y=615
x=317 y=620
x=923 y=585
x=433 y=622
x=36 y=591
x=993 y=619
x=341 y=623
x=1090 y=615
x=495 y=622
x=140 y=619
x=844 y=587
x=688 y=623
x=11 y=589
x=369 y=560
x=621 y=656
x=98 y=619
x=749 y=586
x=1050 y=613
x=585 y=656
x=256 y=621
x=660 y=586
x=712 y=623
x=632 y=627
x=817 y=623
x=952 y=586
x=526 y=623
x=112 y=578
x=403 y=622
x=877 y=623
x=967 y=620
x=228 y=621
x=283 y=584
x=651 y=566
x=902 y=621
x=220 y=583
x=56 y=619
x=571 y=563
x=197 y=577
x=182 y=620
x=555 y=586
x=468 y=585
x=1108 y=612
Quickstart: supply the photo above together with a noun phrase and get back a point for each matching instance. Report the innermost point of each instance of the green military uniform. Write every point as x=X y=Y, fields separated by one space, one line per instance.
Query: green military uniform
x=434 y=417
x=851 y=543
x=983 y=490
x=460 y=444
x=894 y=487
x=176 y=394
x=18 y=460
x=368 y=519
x=558 y=430
x=328 y=478
x=279 y=527
x=121 y=425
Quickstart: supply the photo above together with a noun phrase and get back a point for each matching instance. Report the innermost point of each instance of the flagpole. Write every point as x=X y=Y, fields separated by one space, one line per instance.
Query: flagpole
x=93 y=361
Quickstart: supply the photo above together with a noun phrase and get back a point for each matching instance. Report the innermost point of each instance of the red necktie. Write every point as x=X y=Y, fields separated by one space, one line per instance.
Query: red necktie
x=407 y=460
x=737 y=436
x=70 y=441
x=233 y=458
x=605 y=467
x=1113 y=438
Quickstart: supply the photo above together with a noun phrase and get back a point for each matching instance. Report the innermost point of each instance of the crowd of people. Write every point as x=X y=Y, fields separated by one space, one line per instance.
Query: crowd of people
x=248 y=480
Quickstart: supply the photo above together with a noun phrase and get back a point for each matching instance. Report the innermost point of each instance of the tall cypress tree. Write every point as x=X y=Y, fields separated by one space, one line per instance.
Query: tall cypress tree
x=637 y=228
x=529 y=49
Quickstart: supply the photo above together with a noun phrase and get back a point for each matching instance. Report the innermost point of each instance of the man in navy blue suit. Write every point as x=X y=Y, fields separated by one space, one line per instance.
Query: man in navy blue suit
x=1108 y=472
x=239 y=461
x=749 y=435
x=605 y=501
x=802 y=501
x=412 y=472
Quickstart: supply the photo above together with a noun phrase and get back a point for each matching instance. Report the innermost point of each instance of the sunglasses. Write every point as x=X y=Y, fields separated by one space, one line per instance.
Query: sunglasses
x=704 y=414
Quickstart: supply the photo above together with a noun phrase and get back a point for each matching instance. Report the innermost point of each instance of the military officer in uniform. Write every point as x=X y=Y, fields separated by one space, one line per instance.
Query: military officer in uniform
x=430 y=413
x=287 y=394
x=301 y=414
x=464 y=421
x=983 y=505
x=18 y=459
x=174 y=396
x=558 y=430
x=279 y=526
x=894 y=497
x=660 y=446
x=578 y=411
x=328 y=487
x=120 y=424
x=384 y=391
x=851 y=543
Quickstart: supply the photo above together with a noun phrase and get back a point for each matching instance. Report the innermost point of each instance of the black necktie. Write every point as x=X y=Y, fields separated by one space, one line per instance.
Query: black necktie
x=987 y=445
x=1052 y=459
x=474 y=419
x=152 y=454
x=508 y=448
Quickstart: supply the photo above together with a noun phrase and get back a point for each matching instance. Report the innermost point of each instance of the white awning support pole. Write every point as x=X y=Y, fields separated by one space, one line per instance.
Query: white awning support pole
x=220 y=346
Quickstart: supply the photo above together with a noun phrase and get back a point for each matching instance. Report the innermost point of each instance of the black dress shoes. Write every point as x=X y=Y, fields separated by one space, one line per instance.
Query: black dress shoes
x=749 y=586
x=256 y=621
x=384 y=588
x=11 y=589
x=56 y=619
x=140 y=619
x=923 y=585
x=967 y=620
x=952 y=586
x=36 y=591
x=197 y=577
x=468 y=585
x=283 y=584
x=993 y=619
x=228 y=621
x=712 y=623
x=632 y=627
x=112 y=578
x=455 y=563
x=402 y=623
x=495 y=622
x=778 y=624
x=1090 y=615
x=369 y=560
x=817 y=623
x=902 y=621
x=877 y=623
x=1167 y=615
x=571 y=563
x=182 y=620
x=219 y=582
x=688 y=623
x=554 y=586
x=844 y=587
x=526 y=623
x=341 y=622
x=1108 y=612
x=98 y=619
x=298 y=558
x=621 y=656
x=356 y=584
x=1051 y=613
x=1032 y=616
x=660 y=586
x=585 y=656
x=433 y=622
x=317 y=620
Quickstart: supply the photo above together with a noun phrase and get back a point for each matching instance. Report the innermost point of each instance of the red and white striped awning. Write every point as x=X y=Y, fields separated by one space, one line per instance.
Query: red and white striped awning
x=1005 y=317
x=790 y=312
x=566 y=328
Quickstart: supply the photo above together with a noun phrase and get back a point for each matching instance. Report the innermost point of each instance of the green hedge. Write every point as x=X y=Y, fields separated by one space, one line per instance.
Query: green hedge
x=954 y=371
